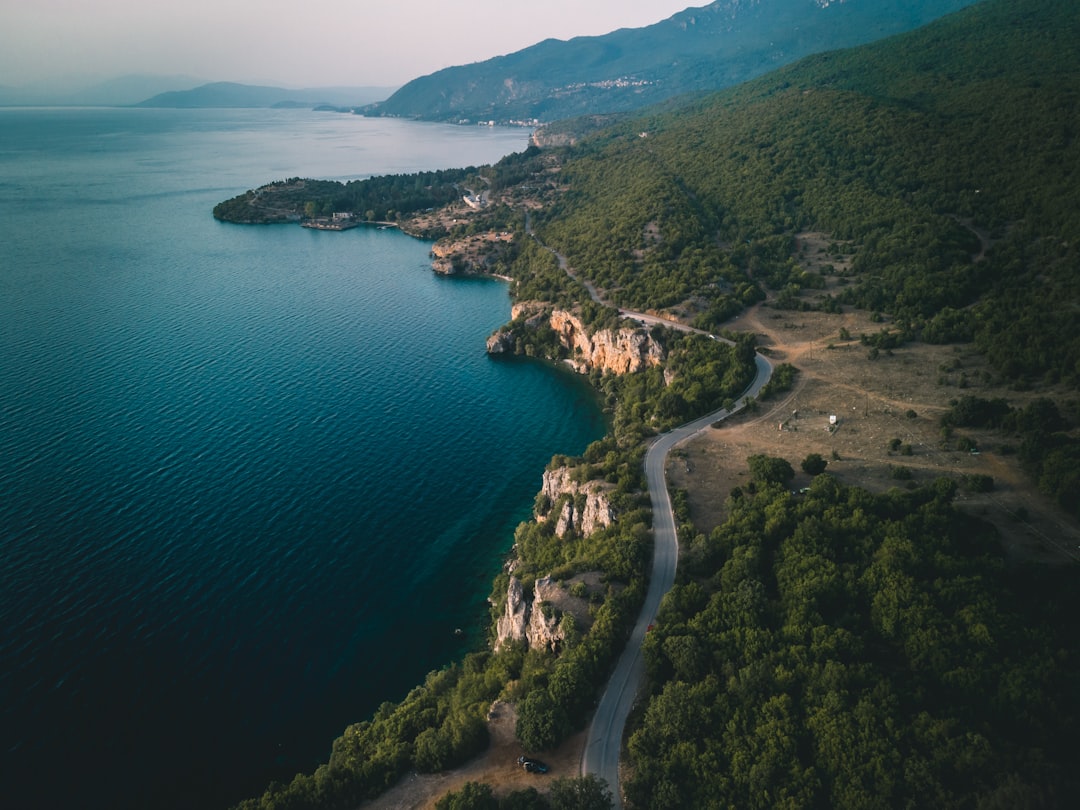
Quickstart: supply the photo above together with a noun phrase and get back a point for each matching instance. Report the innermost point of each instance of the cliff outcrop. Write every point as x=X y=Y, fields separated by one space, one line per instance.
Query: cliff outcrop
x=587 y=510
x=511 y=625
x=478 y=254
x=619 y=351
x=545 y=631
x=554 y=610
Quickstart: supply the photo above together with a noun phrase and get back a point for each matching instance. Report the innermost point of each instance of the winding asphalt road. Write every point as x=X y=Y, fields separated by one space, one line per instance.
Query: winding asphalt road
x=604 y=743
x=602 y=746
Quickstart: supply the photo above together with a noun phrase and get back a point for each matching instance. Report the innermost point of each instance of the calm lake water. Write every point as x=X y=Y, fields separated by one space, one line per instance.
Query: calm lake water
x=251 y=478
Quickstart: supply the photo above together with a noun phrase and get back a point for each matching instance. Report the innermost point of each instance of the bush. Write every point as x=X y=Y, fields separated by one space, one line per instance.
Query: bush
x=472 y=796
x=541 y=723
x=584 y=793
x=767 y=469
x=814 y=464
x=527 y=799
x=976 y=482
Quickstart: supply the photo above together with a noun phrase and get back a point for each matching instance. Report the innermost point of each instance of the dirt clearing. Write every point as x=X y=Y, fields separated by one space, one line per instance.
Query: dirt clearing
x=887 y=429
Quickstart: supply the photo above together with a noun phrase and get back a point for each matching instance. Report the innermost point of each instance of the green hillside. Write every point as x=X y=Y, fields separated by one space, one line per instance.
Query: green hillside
x=842 y=649
x=944 y=162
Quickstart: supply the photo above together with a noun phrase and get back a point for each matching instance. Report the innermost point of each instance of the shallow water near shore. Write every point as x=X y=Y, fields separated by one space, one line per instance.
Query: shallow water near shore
x=251 y=478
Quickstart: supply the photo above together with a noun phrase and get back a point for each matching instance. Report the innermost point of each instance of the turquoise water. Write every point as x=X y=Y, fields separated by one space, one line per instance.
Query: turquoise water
x=251 y=478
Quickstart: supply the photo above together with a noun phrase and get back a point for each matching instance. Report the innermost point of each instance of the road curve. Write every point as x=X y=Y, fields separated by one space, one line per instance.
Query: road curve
x=604 y=741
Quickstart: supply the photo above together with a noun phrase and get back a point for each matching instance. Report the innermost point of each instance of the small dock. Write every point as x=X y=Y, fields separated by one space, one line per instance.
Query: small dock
x=339 y=221
x=323 y=224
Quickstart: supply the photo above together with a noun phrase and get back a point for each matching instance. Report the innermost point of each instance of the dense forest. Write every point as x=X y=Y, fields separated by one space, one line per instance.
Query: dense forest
x=845 y=650
x=375 y=199
x=944 y=163
x=826 y=649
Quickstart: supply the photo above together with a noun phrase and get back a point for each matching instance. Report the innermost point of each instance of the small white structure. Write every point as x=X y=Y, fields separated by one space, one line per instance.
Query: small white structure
x=832 y=420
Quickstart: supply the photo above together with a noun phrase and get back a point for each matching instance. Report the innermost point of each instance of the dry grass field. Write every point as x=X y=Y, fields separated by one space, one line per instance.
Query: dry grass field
x=899 y=396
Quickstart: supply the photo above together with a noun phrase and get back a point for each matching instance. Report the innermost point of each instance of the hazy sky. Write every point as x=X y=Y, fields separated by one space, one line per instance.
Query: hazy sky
x=288 y=42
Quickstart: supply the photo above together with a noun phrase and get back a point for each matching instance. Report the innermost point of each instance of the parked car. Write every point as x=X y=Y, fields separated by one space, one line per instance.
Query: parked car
x=532 y=765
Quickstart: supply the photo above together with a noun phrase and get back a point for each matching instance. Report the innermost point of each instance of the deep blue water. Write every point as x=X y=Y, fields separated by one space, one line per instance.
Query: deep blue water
x=251 y=478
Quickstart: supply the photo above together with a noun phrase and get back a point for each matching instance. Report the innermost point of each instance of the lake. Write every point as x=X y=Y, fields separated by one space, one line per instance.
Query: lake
x=252 y=478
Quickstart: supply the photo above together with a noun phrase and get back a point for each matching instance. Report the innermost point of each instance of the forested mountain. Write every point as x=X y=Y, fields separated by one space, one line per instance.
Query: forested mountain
x=121 y=91
x=841 y=649
x=699 y=49
x=945 y=161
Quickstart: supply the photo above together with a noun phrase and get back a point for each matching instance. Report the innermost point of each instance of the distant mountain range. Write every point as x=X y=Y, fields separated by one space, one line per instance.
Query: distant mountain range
x=698 y=49
x=230 y=94
x=121 y=91
x=185 y=92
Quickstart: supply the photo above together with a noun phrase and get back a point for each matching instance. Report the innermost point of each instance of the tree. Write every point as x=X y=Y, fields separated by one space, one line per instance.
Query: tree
x=472 y=796
x=814 y=464
x=541 y=723
x=769 y=470
x=527 y=799
x=583 y=793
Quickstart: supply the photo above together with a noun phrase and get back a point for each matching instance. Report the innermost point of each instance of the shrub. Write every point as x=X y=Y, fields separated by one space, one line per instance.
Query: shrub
x=767 y=469
x=976 y=482
x=814 y=464
x=472 y=796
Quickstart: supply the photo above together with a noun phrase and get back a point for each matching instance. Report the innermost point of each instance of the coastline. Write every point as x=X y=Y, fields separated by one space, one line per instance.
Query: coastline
x=235 y=353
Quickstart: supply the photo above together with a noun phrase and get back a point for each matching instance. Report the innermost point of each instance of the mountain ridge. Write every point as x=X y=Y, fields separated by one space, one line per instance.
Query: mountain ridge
x=118 y=91
x=698 y=49
x=234 y=94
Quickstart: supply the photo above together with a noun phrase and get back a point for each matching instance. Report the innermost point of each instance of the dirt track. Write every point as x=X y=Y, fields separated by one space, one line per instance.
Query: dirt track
x=497 y=767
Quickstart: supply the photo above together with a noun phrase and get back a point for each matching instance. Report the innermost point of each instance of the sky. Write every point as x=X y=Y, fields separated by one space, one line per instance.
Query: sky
x=290 y=43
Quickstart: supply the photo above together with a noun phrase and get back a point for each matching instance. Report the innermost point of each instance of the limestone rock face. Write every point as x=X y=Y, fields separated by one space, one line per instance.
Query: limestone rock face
x=535 y=621
x=511 y=625
x=619 y=351
x=541 y=621
x=501 y=342
x=596 y=512
x=543 y=631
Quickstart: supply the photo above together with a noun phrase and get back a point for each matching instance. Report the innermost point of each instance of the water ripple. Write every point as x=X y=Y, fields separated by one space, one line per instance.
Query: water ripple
x=235 y=466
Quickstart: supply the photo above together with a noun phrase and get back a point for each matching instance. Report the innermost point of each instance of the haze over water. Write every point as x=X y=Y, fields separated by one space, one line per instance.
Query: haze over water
x=251 y=478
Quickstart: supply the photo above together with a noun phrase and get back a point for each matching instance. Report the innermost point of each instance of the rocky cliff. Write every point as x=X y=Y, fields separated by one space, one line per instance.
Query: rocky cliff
x=477 y=254
x=584 y=512
x=619 y=351
x=545 y=626
x=543 y=620
x=511 y=625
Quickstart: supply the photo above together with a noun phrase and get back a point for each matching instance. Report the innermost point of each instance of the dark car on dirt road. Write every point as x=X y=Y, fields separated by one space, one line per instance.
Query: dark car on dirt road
x=532 y=765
